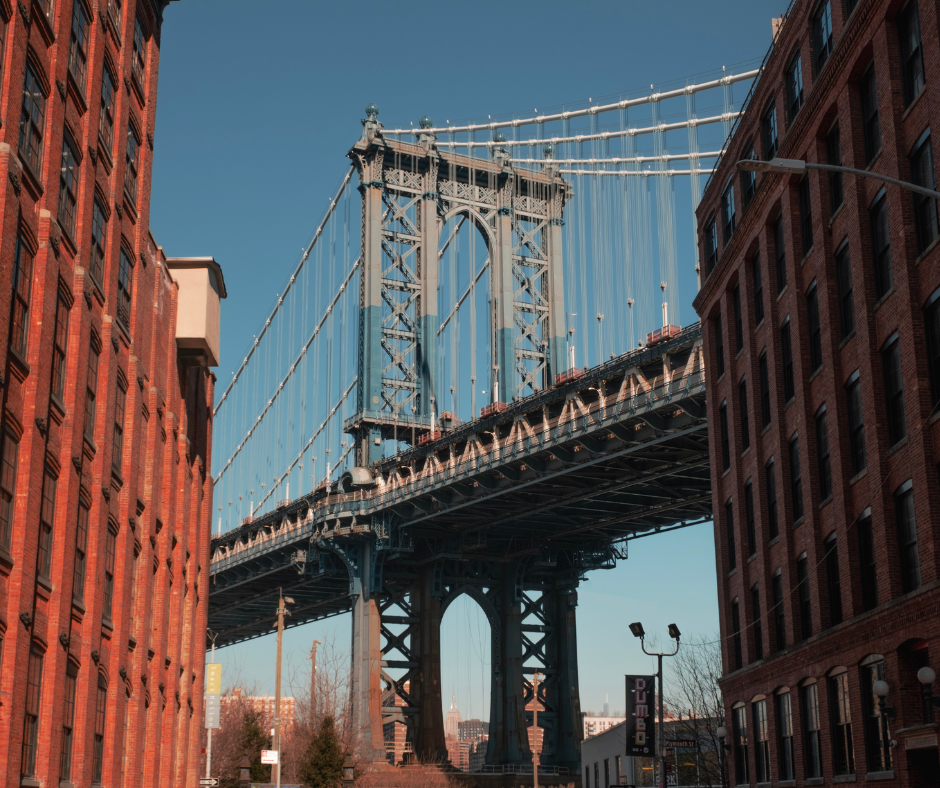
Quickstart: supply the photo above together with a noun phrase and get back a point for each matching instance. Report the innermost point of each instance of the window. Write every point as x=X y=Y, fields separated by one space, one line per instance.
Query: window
x=32 y=121
x=833 y=584
x=736 y=634
x=81 y=547
x=738 y=322
x=907 y=537
x=743 y=416
x=894 y=390
x=68 y=183
x=780 y=623
x=796 y=480
x=812 y=747
x=815 y=329
x=822 y=34
x=881 y=246
x=853 y=399
x=78 y=44
x=846 y=298
x=932 y=326
x=912 y=59
x=794 y=78
x=728 y=219
x=101 y=706
x=719 y=344
x=850 y=7
x=711 y=247
x=840 y=714
x=785 y=737
x=8 y=455
x=124 y=290
x=130 y=162
x=749 y=518
x=3 y=36
x=823 y=464
x=48 y=8
x=138 y=65
x=99 y=233
x=806 y=216
x=729 y=529
x=773 y=528
x=106 y=118
x=875 y=749
x=768 y=128
x=868 y=574
x=739 y=734
x=31 y=717
x=725 y=448
x=834 y=157
x=761 y=742
x=925 y=208
x=46 y=522
x=780 y=251
x=68 y=721
x=758 y=290
x=871 y=124
x=765 y=412
x=59 y=346
x=749 y=180
x=756 y=627
x=117 y=444
x=22 y=278
x=587 y=777
x=109 y=550
x=116 y=14
x=806 y=611
x=789 y=390
x=91 y=392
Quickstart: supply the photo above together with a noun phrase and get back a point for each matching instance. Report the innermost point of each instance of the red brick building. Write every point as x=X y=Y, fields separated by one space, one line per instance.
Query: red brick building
x=820 y=298
x=105 y=498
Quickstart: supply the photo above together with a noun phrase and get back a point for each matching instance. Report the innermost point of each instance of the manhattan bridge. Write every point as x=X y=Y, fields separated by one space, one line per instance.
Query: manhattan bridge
x=474 y=381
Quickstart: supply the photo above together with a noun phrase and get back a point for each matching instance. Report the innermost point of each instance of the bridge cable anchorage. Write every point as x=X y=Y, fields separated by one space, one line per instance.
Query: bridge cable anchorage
x=309 y=443
x=588 y=111
x=630 y=132
x=290 y=284
x=291 y=370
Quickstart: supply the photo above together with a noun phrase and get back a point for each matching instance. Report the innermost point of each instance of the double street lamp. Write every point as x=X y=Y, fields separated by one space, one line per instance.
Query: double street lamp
x=637 y=629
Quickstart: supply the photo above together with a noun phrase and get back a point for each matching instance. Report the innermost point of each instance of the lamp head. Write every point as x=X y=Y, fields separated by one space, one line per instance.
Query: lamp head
x=880 y=688
x=722 y=731
x=674 y=632
x=288 y=600
x=926 y=675
x=796 y=166
x=637 y=629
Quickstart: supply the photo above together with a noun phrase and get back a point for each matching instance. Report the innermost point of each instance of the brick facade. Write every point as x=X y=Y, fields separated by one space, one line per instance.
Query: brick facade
x=113 y=665
x=868 y=607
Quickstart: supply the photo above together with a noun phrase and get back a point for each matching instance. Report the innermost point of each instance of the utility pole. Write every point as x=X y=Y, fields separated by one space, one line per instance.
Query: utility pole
x=535 y=730
x=209 y=733
x=281 y=610
x=313 y=682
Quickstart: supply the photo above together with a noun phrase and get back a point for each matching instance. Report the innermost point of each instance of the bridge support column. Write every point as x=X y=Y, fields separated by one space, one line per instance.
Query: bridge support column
x=509 y=741
x=564 y=694
x=428 y=734
x=366 y=668
x=501 y=289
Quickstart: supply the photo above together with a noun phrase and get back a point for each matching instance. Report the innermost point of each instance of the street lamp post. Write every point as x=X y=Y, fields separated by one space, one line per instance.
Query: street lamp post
x=722 y=732
x=881 y=689
x=798 y=167
x=281 y=611
x=926 y=677
x=637 y=629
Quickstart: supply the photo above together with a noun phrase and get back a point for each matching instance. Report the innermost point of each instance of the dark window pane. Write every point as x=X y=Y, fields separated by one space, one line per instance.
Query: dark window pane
x=823 y=465
x=877 y=751
x=32 y=121
x=31 y=715
x=773 y=528
x=728 y=216
x=8 y=457
x=785 y=737
x=711 y=247
x=739 y=733
x=796 y=480
x=780 y=622
x=124 y=290
x=806 y=611
x=22 y=286
x=881 y=247
x=846 y=297
x=812 y=749
x=719 y=344
x=815 y=329
x=906 y=525
x=769 y=131
x=912 y=59
x=725 y=447
x=78 y=45
x=780 y=252
x=822 y=34
x=46 y=523
x=833 y=583
x=794 y=79
x=756 y=627
x=871 y=123
x=761 y=742
x=925 y=208
x=106 y=115
x=834 y=157
x=81 y=545
x=932 y=326
x=131 y=162
x=764 y=389
x=806 y=216
x=786 y=351
x=853 y=397
x=868 y=574
x=59 y=346
x=738 y=320
x=749 y=517
x=840 y=716
x=758 y=289
x=736 y=635
x=743 y=416
x=894 y=392
x=729 y=530
x=99 y=237
x=749 y=180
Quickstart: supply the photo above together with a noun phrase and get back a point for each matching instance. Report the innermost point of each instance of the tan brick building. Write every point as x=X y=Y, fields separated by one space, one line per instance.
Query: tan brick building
x=820 y=300
x=105 y=429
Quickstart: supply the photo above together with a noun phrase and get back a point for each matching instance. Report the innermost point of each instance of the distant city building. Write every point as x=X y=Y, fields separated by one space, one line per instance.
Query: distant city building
x=595 y=725
x=452 y=720
x=264 y=705
x=477 y=756
x=472 y=730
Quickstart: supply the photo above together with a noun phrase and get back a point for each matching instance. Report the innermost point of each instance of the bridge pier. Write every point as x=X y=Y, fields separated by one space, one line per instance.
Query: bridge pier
x=366 y=664
x=428 y=722
x=562 y=693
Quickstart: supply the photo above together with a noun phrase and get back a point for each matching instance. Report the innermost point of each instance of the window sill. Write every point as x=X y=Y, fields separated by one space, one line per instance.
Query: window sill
x=6 y=560
x=20 y=359
x=859 y=476
x=884 y=298
x=30 y=782
x=831 y=220
x=733 y=572
x=56 y=400
x=748 y=449
x=116 y=477
x=910 y=107
x=848 y=339
x=763 y=785
x=738 y=354
x=826 y=501
x=107 y=623
x=873 y=161
x=766 y=429
x=751 y=557
x=759 y=325
x=782 y=292
x=844 y=778
x=875 y=776
x=45 y=581
x=786 y=784
x=806 y=256
x=798 y=522
x=725 y=472
x=130 y=205
x=32 y=183
x=774 y=541
x=105 y=155
x=66 y=784
x=75 y=91
x=928 y=250
x=897 y=446
x=935 y=418
x=814 y=781
x=815 y=374
x=789 y=402
x=78 y=605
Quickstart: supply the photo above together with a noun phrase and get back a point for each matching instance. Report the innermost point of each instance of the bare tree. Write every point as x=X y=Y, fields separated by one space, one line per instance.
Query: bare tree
x=693 y=695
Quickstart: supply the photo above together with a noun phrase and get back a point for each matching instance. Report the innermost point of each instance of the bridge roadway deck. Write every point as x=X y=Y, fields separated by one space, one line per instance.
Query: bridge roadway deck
x=563 y=476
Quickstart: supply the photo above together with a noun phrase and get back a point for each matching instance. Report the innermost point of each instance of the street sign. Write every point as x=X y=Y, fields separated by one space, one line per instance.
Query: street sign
x=209 y=781
x=269 y=756
x=681 y=744
x=213 y=711
x=214 y=678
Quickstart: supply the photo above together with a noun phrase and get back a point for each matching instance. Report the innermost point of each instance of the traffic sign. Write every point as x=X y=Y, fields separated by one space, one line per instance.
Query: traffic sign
x=209 y=781
x=269 y=756
x=682 y=744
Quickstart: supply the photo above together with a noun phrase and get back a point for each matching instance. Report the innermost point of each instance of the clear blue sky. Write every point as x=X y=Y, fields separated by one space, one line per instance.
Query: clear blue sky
x=258 y=104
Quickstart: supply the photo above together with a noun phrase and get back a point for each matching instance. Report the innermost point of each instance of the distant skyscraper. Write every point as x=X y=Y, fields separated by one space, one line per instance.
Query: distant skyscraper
x=452 y=720
x=606 y=705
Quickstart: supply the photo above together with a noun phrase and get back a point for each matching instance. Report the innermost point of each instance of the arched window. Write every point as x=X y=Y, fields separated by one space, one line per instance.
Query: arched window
x=101 y=705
